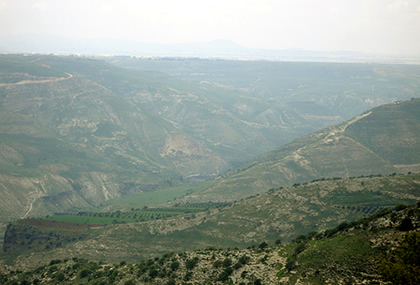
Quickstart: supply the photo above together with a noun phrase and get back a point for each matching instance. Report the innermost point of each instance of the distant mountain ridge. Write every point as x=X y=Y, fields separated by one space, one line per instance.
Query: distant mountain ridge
x=213 y=49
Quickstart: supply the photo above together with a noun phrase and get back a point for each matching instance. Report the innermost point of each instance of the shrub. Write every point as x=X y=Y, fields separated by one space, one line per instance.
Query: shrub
x=188 y=275
x=290 y=264
x=84 y=273
x=153 y=273
x=400 y=207
x=174 y=265
x=227 y=262
x=311 y=235
x=299 y=248
x=55 y=261
x=60 y=276
x=404 y=267
x=224 y=276
x=331 y=232
x=406 y=225
x=263 y=245
x=343 y=226
x=191 y=263
x=218 y=263
x=300 y=238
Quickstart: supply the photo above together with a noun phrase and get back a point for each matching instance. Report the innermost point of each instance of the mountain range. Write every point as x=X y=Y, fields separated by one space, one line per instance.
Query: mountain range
x=35 y=43
x=77 y=132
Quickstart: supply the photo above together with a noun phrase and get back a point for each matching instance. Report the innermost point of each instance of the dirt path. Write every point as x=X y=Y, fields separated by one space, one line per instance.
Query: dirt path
x=23 y=82
x=334 y=131
x=36 y=195
x=331 y=136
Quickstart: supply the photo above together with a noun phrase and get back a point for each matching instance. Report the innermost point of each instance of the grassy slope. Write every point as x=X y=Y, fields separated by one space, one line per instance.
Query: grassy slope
x=340 y=151
x=391 y=131
x=355 y=255
x=282 y=213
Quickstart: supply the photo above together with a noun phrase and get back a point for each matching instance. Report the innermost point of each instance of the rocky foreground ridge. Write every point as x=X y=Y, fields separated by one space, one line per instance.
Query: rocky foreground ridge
x=379 y=249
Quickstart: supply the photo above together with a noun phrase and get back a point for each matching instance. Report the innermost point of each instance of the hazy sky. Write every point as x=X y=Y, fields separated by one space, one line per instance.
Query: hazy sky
x=377 y=26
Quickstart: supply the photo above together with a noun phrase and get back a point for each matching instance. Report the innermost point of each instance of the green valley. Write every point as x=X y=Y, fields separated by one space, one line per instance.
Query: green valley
x=207 y=163
x=78 y=132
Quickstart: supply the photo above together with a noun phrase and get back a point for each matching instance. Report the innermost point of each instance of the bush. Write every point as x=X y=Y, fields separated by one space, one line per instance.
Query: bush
x=153 y=273
x=404 y=267
x=311 y=235
x=300 y=238
x=84 y=273
x=299 y=248
x=406 y=225
x=218 y=263
x=244 y=259
x=224 y=276
x=55 y=261
x=343 y=226
x=290 y=264
x=331 y=232
x=60 y=276
x=263 y=245
x=227 y=262
x=188 y=275
x=400 y=207
x=191 y=263
x=174 y=265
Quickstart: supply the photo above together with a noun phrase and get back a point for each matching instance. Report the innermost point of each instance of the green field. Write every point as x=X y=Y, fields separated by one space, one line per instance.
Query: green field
x=160 y=196
x=133 y=216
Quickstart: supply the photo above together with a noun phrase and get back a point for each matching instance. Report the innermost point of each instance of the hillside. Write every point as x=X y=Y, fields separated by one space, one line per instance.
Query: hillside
x=317 y=91
x=383 y=140
x=382 y=247
x=278 y=214
x=77 y=132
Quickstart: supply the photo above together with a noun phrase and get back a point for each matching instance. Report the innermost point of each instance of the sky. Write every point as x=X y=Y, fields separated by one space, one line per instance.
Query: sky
x=371 y=26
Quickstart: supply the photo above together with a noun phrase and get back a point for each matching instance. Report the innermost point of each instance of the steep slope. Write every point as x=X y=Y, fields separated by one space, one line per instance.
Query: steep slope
x=279 y=214
x=76 y=131
x=67 y=142
x=379 y=248
x=382 y=141
x=229 y=121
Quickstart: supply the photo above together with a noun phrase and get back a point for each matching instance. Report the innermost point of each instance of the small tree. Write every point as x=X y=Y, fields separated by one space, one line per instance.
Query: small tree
x=191 y=263
x=263 y=245
x=174 y=265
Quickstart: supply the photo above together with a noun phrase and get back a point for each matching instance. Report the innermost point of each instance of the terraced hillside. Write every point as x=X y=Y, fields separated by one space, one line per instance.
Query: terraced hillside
x=278 y=214
x=379 y=248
